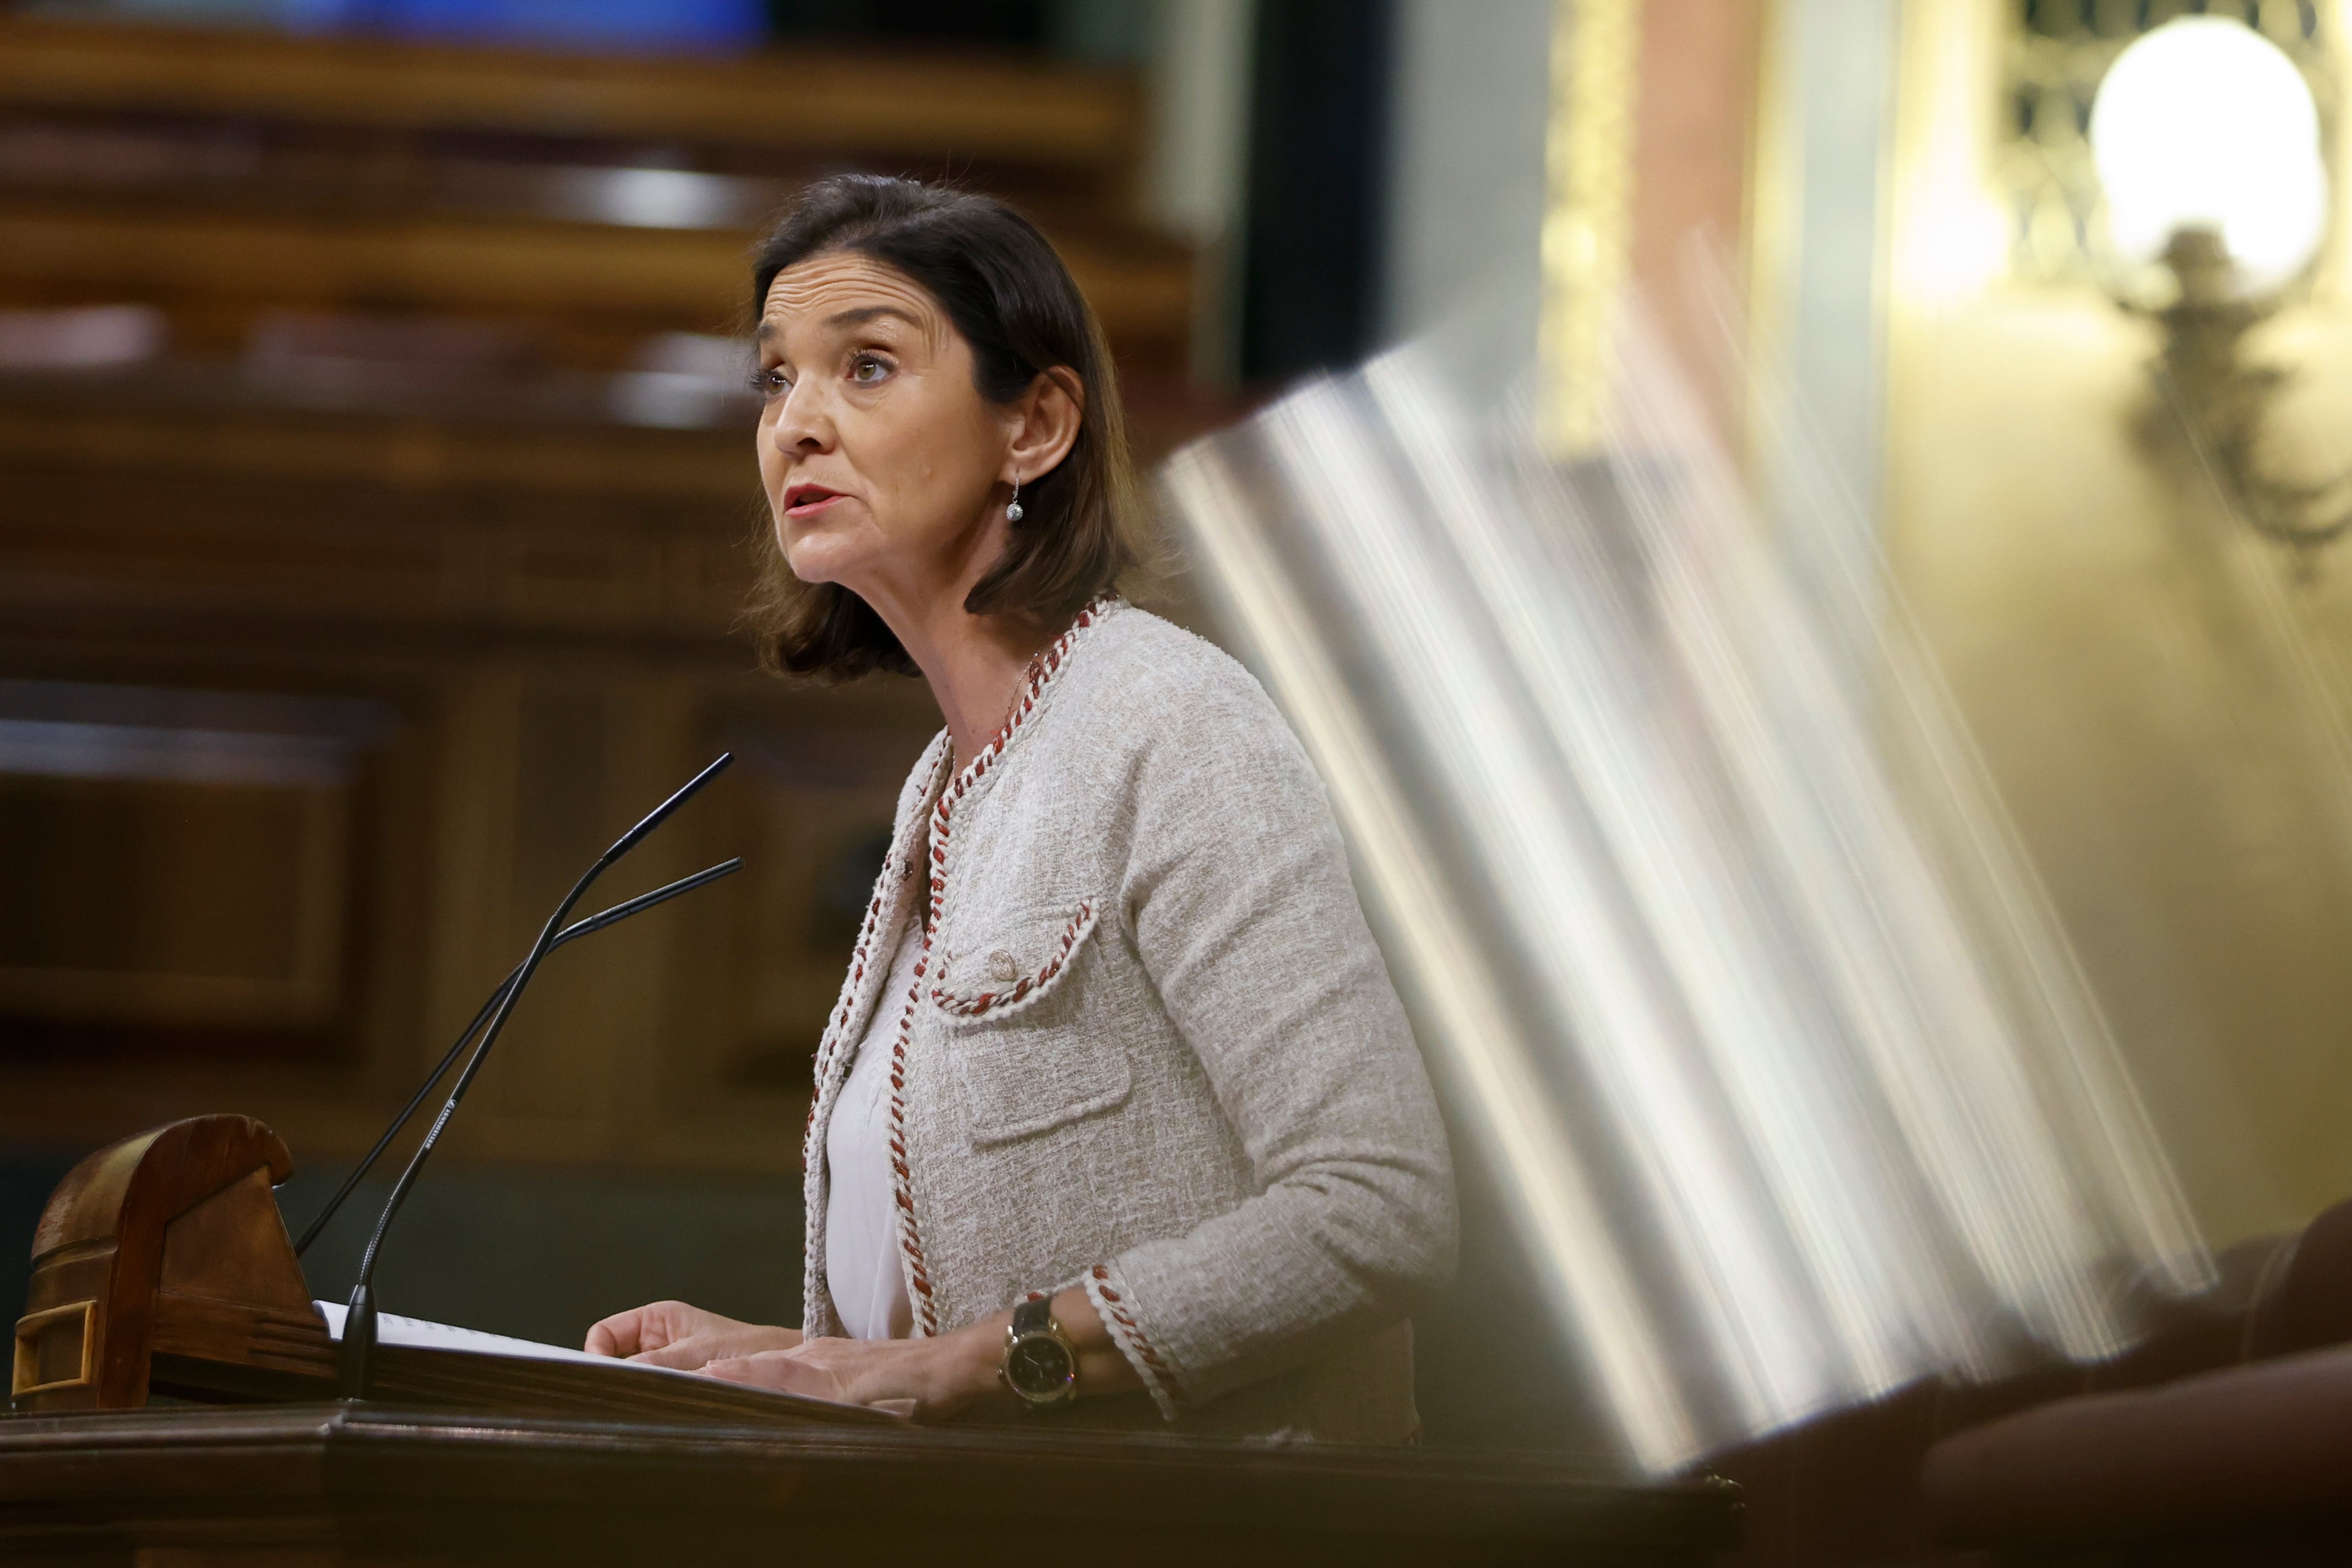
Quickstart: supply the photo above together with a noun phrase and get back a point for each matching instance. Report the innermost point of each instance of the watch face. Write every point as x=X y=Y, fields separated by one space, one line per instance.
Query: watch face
x=1038 y=1365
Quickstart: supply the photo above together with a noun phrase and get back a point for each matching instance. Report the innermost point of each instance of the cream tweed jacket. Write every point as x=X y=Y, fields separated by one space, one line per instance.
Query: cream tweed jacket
x=1150 y=1048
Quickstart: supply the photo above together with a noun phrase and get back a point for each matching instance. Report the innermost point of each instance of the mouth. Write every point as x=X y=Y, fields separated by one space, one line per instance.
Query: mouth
x=807 y=500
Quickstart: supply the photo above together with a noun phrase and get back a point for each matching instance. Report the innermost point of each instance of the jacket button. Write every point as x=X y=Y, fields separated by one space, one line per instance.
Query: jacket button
x=1001 y=966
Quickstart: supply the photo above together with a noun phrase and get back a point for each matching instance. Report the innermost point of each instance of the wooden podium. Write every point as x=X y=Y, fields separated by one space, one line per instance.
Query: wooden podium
x=293 y=1486
x=162 y=1273
x=162 y=1270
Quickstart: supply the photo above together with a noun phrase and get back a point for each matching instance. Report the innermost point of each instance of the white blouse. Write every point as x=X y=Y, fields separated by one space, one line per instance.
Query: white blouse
x=861 y=1230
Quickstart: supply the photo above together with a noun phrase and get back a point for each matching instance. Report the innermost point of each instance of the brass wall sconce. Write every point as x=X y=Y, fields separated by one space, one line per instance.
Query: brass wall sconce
x=2220 y=399
x=2208 y=147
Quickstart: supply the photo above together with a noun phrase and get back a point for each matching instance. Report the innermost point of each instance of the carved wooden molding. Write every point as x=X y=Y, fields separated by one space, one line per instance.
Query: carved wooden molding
x=840 y=101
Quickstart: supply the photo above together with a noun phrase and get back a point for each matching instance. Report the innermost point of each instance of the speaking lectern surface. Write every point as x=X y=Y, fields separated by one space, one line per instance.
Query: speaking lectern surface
x=162 y=1271
x=297 y=1486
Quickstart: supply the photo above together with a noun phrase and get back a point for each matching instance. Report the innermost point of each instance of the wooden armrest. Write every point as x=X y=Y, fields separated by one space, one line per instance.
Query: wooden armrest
x=2262 y=1448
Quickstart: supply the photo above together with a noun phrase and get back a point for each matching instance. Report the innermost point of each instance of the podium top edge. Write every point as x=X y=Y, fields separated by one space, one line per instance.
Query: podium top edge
x=349 y=1455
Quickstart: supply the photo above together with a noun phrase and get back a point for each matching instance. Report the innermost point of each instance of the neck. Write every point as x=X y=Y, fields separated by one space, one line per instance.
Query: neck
x=973 y=664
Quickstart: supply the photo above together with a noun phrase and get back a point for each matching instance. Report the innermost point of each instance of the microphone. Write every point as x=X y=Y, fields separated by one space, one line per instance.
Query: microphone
x=360 y=1322
x=594 y=922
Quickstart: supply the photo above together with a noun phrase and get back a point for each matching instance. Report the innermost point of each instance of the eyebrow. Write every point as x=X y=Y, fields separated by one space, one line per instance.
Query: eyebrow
x=857 y=317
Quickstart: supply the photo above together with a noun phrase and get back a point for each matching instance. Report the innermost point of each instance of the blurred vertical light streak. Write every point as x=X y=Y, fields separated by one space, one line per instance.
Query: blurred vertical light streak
x=1877 y=917
x=1490 y=1063
x=1565 y=647
x=1597 y=972
x=1765 y=1027
x=1948 y=808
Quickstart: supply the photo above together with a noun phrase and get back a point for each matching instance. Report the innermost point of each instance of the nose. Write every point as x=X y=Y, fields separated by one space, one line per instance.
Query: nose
x=804 y=424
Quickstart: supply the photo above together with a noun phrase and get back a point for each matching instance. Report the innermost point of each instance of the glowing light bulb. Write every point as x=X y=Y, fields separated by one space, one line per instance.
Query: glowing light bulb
x=2203 y=122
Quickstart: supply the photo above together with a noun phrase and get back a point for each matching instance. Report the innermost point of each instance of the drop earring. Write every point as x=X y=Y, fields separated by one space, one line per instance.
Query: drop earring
x=1013 y=507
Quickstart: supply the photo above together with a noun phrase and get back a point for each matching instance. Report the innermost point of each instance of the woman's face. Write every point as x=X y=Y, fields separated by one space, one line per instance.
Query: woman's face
x=879 y=457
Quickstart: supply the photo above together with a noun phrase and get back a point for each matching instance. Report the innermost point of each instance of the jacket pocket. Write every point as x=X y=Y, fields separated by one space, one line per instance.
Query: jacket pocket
x=1016 y=967
x=1023 y=1064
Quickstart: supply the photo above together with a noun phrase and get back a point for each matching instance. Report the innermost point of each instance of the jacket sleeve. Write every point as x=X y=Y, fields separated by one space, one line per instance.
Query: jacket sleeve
x=1239 y=902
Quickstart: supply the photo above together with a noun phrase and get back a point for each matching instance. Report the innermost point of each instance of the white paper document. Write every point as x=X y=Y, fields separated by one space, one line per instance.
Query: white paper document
x=390 y=1328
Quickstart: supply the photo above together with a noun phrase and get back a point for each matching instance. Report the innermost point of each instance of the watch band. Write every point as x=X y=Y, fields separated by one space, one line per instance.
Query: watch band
x=1034 y=1313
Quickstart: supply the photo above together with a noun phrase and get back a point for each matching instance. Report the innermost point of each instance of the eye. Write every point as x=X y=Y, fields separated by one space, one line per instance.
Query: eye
x=770 y=382
x=866 y=370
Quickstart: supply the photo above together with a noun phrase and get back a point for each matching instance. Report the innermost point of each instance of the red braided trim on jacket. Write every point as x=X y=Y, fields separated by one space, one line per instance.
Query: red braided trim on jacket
x=1042 y=669
x=1133 y=1331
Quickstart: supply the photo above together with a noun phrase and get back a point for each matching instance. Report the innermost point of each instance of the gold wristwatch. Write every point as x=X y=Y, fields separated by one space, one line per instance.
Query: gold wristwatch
x=1040 y=1363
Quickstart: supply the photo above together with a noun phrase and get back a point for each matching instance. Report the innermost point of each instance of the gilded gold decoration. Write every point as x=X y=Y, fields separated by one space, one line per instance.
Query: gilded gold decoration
x=1586 y=232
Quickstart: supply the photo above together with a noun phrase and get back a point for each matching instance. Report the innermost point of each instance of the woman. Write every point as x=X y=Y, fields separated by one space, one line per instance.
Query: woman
x=1118 y=1112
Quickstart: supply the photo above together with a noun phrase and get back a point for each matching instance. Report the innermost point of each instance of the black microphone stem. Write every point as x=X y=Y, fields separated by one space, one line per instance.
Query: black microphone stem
x=594 y=922
x=360 y=1322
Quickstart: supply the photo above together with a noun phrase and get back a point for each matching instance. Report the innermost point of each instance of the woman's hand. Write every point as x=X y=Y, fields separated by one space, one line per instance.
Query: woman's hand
x=940 y=1375
x=671 y=1334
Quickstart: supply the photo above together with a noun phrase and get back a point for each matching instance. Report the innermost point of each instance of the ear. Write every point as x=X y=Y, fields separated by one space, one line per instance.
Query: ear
x=1043 y=424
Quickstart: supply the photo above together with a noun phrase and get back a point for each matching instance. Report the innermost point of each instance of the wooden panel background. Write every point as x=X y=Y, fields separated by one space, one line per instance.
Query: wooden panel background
x=540 y=595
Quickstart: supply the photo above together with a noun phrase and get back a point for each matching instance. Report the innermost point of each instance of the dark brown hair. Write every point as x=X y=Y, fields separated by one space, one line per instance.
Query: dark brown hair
x=1008 y=293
